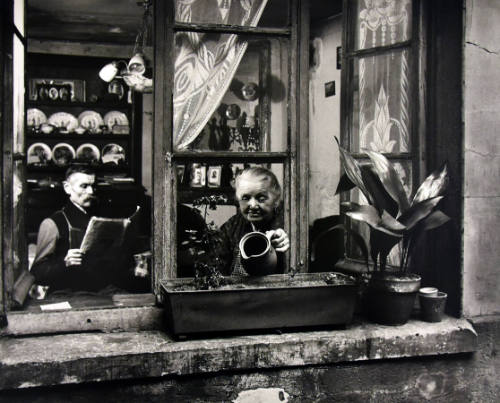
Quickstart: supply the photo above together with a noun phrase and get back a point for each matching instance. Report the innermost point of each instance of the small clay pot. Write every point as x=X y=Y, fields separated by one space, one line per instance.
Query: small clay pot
x=432 y=306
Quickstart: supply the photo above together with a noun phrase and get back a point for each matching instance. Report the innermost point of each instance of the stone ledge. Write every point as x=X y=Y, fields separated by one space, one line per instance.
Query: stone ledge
x=96 y=357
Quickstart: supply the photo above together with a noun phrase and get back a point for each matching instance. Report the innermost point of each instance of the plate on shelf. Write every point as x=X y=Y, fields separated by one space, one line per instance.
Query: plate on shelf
x=117 y=118
x=39 y=154
x=88 y=152
x=65 y=121
x=63 y=154
x=91 y=121
x=36 y=117
x=113 y=153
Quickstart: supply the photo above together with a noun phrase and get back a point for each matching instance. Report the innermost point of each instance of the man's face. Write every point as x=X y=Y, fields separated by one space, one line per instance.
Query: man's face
x=80 y=188
x=256 y=201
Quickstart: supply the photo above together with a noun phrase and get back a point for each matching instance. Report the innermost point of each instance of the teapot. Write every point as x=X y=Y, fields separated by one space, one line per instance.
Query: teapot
x=258 y=256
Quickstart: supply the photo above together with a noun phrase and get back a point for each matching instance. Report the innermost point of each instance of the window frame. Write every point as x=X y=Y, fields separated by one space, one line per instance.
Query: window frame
x=416 y=46
x=295 y=159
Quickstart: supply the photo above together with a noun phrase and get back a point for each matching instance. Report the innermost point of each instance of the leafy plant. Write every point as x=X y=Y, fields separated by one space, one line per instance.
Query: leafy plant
x=391 y=216
x=207 y=263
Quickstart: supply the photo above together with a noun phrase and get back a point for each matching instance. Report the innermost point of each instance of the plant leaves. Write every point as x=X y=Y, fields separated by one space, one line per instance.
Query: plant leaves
x=353 y=171
x=434 y=185
x=385 y=223
x=434 y=220
x=381 y=199
x=380 y=245
x=418 y=212
x=345 y=184
x=389 y=178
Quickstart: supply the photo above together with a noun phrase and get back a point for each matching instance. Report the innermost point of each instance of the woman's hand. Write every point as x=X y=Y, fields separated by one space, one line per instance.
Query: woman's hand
x=279 y=239
x=73 y=257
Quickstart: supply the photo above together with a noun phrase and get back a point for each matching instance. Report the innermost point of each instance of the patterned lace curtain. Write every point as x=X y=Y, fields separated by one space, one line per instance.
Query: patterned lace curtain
x=205 y=63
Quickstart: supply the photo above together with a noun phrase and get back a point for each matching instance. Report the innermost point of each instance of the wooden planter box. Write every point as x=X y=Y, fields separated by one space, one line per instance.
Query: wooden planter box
x=249 y=303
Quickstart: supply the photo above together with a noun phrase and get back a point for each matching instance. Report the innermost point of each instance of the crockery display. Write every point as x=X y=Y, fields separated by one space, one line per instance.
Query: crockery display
x=35 y=117
x=39 y=153
x=113 y=153
x=63 y=154
x=115 y=118
x=91 y=121
x=88 y=152
x=64 y=121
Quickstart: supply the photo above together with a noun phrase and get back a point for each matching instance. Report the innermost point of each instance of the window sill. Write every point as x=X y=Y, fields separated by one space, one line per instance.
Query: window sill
x=94 y=357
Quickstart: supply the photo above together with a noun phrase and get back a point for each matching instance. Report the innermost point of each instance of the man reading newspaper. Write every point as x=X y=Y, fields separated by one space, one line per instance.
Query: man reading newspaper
x=106 y=260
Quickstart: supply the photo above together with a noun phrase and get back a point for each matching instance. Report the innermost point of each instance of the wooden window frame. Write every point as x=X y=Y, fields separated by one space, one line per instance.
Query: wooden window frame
x=295 y=159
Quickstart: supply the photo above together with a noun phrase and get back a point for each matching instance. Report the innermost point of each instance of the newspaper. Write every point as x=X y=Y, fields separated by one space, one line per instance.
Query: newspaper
x=108 y=236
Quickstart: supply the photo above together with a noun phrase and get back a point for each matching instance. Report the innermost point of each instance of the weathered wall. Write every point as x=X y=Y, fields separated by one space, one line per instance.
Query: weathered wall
x=447 y=378
x=324 y=120
x=481 y=279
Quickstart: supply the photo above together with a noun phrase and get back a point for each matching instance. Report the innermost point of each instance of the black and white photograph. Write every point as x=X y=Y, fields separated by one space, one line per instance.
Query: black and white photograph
x=249 y=201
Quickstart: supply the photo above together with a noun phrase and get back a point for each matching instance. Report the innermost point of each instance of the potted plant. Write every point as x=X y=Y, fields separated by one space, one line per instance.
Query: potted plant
x=210 y=303
x=393 y=219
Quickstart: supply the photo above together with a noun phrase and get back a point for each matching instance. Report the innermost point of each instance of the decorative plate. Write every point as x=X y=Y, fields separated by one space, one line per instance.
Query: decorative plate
x=233 y=111
x=39 y=153
x=63 y=154
x=250 y=91
x=36 y=117
x=88 y=152
x=113 y=118
x=113 y=153
x=66 y=122
x=91 y=121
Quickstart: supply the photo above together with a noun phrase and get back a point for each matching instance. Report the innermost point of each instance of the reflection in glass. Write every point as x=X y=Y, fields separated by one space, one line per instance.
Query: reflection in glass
x=211 y=221
x=381 y=113
x=251 y=115
x=381 y=23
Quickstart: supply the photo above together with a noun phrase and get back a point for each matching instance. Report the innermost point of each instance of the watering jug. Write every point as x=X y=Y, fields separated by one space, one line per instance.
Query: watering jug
x=258 y=256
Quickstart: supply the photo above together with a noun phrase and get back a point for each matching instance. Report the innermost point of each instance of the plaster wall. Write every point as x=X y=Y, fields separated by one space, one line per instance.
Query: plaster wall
x=324 y=119
x=481 y=280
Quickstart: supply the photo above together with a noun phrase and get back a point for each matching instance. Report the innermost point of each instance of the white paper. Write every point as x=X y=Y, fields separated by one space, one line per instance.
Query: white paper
x=56 y=307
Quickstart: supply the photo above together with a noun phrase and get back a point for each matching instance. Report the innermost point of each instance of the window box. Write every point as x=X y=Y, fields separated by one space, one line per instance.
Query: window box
x=269 y=302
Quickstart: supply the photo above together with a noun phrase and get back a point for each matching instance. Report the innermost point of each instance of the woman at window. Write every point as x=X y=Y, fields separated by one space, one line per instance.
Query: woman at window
x=258 y=193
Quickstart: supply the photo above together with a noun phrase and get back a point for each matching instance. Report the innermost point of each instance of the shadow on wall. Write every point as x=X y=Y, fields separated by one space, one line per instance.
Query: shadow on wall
x=329 y=248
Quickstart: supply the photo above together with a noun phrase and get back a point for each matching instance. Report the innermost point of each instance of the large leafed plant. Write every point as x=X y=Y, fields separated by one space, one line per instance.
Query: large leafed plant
x=391 y=216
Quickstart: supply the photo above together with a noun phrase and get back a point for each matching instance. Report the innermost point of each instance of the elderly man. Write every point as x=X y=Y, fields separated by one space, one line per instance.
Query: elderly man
x=59 y=263
x=259 y=196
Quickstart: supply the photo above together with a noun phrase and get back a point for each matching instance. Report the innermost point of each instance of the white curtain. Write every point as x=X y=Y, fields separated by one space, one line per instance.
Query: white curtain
x=205 y=64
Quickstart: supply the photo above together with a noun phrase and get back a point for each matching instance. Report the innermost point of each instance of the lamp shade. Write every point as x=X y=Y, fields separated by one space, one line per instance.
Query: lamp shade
x=136 y=64
x=109 y=72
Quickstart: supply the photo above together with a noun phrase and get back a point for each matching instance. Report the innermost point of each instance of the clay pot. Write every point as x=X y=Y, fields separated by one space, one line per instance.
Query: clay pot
x=258 y=256
x=389 y=298
x=432 y=306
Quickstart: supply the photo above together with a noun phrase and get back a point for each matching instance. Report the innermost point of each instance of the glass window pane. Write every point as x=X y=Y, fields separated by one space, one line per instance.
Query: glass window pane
x=381 y=23
x=208 y=203
x=262 y=13
x=381 y=103
x=230 y=94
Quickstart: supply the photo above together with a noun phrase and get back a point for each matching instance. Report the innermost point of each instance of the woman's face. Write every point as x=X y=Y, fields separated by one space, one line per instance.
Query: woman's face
x=256 y=201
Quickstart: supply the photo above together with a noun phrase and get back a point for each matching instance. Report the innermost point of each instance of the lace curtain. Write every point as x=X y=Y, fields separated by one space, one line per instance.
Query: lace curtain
x=205 y=63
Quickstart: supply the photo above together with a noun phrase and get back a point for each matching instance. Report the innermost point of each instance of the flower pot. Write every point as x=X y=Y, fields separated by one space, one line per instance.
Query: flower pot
x=432 y=306
x=269 y=302
x=389 y=298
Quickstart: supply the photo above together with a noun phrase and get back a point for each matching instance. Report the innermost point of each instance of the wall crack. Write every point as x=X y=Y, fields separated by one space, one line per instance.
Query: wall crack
x=482 y=48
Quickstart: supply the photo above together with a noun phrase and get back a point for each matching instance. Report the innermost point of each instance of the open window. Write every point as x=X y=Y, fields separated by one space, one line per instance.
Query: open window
x=229 y=88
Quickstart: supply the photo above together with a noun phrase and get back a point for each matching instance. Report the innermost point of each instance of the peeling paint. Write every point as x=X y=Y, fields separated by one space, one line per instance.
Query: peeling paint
x=262 y=395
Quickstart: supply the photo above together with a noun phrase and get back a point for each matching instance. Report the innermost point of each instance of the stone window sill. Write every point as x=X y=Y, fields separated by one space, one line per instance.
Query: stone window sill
x=94 y=357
